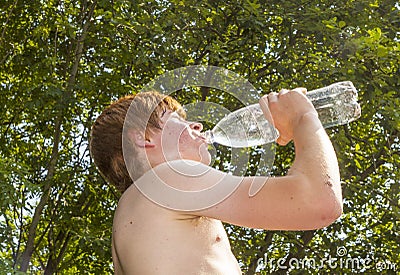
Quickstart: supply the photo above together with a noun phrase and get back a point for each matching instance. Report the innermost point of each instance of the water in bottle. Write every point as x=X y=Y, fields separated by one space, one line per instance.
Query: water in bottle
x=336 y=104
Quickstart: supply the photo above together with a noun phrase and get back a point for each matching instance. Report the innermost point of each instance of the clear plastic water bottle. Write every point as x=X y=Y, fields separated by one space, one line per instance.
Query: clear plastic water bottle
x=336 y=104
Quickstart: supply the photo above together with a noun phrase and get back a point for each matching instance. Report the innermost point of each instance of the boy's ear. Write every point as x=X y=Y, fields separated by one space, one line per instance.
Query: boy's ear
x=140 y=140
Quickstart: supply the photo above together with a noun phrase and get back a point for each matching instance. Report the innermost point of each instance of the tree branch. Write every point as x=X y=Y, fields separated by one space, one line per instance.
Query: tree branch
x=27 y=254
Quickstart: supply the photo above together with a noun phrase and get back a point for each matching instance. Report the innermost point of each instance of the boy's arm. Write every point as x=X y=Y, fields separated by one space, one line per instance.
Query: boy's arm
x=309 y=197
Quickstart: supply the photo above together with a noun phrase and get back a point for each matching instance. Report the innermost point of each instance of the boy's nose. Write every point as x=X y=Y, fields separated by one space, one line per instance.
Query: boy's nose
x=196 y=126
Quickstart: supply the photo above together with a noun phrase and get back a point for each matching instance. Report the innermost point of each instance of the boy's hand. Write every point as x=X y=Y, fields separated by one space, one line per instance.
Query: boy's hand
x=287 y=108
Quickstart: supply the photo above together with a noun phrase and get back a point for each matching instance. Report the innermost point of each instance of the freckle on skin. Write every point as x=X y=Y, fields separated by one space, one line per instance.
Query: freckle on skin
x=291 y=198
x=329 y=181
x=218 y=238
x=131 y=222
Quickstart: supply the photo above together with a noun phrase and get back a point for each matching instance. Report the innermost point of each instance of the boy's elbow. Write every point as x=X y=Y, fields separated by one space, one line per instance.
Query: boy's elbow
x=326 y=205
x=329 y=211
x=333 y=212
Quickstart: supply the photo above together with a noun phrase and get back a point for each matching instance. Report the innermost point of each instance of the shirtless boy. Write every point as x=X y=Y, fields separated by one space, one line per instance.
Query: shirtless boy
x=151 y=239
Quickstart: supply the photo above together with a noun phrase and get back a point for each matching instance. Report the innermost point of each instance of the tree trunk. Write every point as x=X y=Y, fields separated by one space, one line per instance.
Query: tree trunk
x=27 y=254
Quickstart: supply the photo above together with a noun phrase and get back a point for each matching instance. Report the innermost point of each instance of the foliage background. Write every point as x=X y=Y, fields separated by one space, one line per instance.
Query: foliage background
x=63 y=61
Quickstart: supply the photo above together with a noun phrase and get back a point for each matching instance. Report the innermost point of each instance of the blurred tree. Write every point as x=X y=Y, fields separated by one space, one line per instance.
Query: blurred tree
x=62 y=62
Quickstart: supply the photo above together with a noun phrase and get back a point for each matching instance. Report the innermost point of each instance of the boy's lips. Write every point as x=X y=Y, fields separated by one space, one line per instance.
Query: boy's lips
x=199 y=136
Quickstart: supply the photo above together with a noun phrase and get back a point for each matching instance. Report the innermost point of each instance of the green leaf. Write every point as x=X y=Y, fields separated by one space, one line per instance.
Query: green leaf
x=382 y=51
